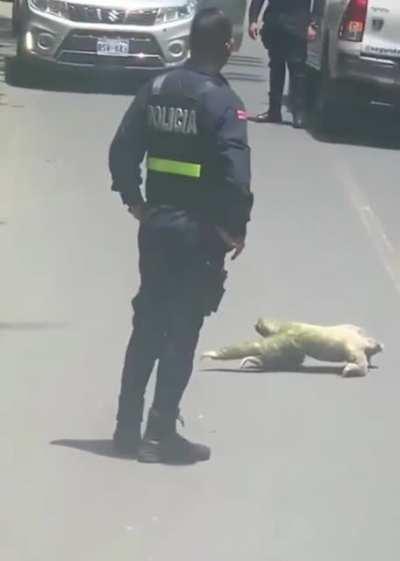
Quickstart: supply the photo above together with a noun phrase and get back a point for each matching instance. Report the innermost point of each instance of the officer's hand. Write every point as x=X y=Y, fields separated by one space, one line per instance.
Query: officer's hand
x=253 y=31
x=138 y=211
x=234 y=244
x=238 y=247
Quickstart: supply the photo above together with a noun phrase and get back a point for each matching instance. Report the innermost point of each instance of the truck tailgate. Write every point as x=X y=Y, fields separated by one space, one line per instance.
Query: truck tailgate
x=382 y=32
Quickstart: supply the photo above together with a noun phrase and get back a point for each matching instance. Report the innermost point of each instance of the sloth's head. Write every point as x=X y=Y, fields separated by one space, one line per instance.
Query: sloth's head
x=373 y=347
x=268 y=327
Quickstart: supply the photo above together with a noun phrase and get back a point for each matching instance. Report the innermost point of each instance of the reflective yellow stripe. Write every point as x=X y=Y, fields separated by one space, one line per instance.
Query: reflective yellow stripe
x=174 y=167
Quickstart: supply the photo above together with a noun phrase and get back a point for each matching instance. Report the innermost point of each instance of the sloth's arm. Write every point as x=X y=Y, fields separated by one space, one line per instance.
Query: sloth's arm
x=233 y=352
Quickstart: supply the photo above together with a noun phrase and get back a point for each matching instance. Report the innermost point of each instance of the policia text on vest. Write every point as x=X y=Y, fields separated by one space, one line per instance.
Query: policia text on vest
x=172 y=119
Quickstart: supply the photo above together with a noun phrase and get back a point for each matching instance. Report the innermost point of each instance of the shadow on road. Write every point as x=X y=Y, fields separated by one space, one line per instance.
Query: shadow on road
x=312 y=370
x=98 y=447
x=73 y=81
x=316 y=370
x=112 y=82
x=102 y=448
x=373 y=127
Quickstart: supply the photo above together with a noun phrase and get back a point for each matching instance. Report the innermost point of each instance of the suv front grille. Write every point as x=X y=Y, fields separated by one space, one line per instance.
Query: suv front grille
x=141 y=17
x=112 y=16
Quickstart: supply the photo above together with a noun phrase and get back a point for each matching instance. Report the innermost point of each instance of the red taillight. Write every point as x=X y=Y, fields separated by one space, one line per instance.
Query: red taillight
x=353 y=22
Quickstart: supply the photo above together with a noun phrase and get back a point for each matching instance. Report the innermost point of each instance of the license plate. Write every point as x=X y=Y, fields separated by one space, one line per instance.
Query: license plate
x=113 y=47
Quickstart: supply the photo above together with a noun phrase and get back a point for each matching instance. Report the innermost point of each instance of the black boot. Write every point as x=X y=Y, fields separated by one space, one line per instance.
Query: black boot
x=277 y=81
x=162 y=444
x=127 y=435
x=298 y=94
x=299 y=119
x=126 y=442
x=274 y=113
x=271 y=116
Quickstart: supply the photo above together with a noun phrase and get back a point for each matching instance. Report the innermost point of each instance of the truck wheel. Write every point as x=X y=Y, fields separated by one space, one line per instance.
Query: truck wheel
x=326 y=104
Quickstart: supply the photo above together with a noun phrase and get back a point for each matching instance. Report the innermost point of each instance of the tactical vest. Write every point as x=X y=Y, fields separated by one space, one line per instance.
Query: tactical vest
x=178 y=156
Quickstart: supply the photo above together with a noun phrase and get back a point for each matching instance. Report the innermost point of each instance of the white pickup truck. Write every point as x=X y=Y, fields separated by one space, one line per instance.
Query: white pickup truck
x=355 y=55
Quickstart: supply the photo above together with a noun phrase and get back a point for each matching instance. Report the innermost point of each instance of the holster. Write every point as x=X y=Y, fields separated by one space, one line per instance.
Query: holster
x=213 y=281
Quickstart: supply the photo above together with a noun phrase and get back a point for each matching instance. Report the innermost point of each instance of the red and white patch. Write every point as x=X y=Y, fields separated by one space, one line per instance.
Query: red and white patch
x=241 y=115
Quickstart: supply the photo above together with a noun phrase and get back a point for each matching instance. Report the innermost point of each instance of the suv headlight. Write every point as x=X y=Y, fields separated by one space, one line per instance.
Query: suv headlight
x=52 y=7
x=168 y=15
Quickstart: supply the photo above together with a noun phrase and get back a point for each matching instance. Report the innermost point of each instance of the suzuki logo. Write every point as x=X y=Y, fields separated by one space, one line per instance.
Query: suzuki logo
x=113 y=16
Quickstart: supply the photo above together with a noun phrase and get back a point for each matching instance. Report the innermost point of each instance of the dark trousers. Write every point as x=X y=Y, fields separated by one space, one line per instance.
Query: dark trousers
x=286 y=49
x=178 y=268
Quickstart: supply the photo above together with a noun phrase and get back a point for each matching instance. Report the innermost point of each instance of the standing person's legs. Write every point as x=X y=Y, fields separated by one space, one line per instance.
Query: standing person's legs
x=277 y=83
x=176 y=361
x=272 y=40
x=198 y=286
x=297 y=53
x=144 y=348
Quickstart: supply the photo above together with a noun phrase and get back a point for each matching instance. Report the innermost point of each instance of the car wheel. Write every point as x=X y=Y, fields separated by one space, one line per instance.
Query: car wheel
x=16 y=75
x=326 y=113
x=19 y=71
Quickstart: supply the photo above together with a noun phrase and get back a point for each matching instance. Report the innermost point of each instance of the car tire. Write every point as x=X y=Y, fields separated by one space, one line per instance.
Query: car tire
x=326 y=112
x=20 y=72
x=16 y=75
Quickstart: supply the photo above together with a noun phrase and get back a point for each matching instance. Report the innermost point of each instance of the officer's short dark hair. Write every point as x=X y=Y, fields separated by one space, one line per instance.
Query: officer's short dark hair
x=211 y=29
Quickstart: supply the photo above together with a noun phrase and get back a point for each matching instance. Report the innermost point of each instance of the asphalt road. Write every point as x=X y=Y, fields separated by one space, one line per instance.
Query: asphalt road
x=305 y=467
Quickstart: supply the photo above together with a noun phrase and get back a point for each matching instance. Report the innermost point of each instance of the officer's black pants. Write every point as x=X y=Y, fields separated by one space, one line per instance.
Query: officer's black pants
x=286 y=50
x=169 y=311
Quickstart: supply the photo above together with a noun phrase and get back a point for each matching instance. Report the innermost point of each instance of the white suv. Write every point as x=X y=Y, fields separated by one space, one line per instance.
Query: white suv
x=122 y=34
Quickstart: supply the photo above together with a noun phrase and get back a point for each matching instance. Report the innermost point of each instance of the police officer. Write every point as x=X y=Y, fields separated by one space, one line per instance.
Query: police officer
x=284 y=34
x=192 y=129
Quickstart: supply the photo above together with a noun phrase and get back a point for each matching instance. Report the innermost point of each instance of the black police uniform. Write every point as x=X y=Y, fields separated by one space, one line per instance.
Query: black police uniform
x=284 y=35
x=192 y=129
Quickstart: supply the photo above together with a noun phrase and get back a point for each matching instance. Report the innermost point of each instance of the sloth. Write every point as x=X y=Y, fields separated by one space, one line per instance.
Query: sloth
x=286 y=344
